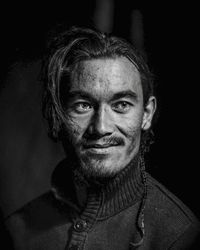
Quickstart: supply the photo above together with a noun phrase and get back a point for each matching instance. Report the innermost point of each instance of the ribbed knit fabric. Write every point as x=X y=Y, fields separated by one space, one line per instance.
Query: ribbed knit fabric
x=107 y=219
x=105 y=197
x=108 y=196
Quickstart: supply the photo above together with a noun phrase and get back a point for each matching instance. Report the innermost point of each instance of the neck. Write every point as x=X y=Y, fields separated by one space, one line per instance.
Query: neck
x=124 y=188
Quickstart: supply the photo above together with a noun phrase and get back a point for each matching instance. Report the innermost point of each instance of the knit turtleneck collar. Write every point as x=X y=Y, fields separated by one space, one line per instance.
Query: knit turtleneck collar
x=108 y=196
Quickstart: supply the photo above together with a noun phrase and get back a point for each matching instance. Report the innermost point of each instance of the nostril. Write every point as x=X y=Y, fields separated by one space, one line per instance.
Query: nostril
x=95 y=133
x=100 y=128
x=102 y=122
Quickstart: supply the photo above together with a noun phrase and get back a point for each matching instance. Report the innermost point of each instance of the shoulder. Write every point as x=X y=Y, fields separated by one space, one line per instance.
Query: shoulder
x=162 y=198
x=39 y=214
x=41 y=219
x=169 y=216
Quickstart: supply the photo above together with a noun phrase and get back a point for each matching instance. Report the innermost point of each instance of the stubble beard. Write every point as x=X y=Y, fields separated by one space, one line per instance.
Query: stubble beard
x=107 y=166
x=102 y=166
x=93 y=167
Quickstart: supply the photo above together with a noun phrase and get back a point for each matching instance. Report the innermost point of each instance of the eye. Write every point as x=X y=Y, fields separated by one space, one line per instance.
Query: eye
x=121 y=106
x=82 y=107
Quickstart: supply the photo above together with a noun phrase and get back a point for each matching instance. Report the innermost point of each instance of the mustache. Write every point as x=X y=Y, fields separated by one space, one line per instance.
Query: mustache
x=109 y=141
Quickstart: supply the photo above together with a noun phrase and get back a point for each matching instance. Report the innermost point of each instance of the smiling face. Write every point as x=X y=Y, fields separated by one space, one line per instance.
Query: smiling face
x=105 y=115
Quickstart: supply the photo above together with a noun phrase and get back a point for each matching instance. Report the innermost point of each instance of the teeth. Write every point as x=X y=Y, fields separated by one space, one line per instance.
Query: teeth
x=99 y=146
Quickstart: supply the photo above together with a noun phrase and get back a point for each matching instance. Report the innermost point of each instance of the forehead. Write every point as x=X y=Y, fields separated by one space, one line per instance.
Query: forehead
x=106 y=75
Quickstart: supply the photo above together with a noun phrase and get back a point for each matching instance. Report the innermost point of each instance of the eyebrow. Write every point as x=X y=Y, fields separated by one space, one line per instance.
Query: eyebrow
x=125 y=94
x=80 y=94
x=122 y=94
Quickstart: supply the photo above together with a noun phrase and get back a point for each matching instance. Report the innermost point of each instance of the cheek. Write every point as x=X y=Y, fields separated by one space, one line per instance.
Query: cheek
x=75 y=128
x=131 y=129
x=130 y=125
x=133 y=139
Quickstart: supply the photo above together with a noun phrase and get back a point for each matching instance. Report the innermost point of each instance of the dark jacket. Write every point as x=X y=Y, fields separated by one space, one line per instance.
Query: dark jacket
x=108 y=220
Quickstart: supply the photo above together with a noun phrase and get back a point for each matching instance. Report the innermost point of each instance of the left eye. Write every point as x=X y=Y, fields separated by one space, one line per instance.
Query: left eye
x=121 y=106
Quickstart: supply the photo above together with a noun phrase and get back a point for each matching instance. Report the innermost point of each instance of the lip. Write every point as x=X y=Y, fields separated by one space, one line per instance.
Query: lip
x=100 y=149
x=99 y=146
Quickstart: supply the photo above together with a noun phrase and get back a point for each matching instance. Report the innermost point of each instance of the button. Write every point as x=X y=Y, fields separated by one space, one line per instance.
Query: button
x=73 y=247
x=80 y=225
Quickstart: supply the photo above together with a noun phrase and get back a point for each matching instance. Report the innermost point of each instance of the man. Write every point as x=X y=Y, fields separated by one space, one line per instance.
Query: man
x=99 y=102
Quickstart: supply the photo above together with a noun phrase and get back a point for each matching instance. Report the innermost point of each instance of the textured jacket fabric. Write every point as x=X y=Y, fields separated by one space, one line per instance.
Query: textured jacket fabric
x=108 y=219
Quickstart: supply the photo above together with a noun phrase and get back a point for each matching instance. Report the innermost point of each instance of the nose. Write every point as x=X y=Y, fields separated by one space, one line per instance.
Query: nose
x=102 y=122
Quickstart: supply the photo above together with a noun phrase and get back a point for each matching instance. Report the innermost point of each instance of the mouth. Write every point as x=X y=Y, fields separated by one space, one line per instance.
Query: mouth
x=99 y=146
x=100 y=149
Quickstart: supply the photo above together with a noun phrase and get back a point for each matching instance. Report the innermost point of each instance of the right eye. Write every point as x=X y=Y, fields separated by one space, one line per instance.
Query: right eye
x=122 y=106
x=82 y=107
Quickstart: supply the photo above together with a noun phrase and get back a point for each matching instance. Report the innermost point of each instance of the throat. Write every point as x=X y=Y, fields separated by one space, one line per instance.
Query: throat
x=111 y=188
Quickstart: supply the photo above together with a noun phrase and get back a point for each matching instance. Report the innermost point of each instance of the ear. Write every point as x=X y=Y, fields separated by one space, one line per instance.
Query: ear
x=149 y=111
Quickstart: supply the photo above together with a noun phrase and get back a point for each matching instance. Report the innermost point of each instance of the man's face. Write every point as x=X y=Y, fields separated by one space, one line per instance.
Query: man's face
x=104 y=114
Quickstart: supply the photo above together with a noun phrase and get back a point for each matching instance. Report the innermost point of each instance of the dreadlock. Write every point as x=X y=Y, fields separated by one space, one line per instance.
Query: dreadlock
x=147 y=140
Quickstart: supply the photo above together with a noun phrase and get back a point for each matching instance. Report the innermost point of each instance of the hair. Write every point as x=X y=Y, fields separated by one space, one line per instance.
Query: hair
x=68 y=48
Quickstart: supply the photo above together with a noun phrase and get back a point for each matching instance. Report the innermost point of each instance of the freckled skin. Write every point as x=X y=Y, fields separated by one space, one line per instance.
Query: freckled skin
x=101 y=79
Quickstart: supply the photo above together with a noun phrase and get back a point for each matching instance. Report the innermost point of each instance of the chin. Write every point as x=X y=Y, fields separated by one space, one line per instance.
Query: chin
x=100 y=168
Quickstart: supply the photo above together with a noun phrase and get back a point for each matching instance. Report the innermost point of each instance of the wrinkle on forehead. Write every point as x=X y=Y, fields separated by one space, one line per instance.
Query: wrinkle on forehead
x=104 y=75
